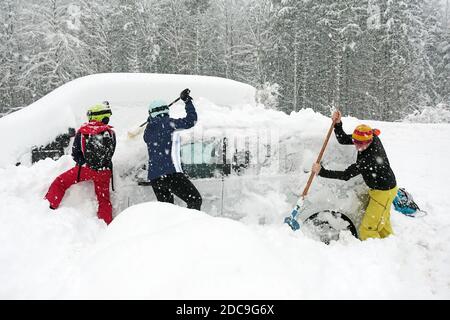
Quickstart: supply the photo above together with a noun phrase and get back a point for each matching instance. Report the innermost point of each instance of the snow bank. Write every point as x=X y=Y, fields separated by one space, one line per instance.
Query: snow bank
x=437 y=114
x=66 y=106
x=161 y=251
x=39 y=244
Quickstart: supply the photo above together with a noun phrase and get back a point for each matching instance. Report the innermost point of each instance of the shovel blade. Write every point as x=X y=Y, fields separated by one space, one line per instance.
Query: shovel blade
x=292 y=223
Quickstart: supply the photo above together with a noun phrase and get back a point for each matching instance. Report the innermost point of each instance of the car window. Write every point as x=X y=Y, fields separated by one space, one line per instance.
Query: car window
x=197 y=153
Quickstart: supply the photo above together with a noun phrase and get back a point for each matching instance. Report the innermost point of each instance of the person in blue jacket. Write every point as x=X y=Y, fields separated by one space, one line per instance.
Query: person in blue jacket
x=163 y=143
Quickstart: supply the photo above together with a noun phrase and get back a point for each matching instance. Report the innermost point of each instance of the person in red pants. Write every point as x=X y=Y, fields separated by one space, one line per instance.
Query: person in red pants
x=93 y=148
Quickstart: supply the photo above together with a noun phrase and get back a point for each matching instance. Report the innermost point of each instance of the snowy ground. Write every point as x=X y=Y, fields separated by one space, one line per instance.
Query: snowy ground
x=241 y=251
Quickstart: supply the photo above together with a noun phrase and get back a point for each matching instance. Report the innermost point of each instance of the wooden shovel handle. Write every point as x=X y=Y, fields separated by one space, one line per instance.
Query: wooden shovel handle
x=311 y=176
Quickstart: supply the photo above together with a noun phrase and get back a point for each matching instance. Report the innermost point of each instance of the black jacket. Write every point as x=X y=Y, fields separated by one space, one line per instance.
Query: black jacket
x=78 y=147
x=371 y=163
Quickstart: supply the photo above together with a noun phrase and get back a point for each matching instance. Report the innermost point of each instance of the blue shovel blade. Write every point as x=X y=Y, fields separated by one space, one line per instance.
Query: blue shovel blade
x=292 y=223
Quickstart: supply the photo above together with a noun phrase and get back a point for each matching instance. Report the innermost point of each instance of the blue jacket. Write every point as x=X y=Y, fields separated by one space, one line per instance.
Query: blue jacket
x=163 y=142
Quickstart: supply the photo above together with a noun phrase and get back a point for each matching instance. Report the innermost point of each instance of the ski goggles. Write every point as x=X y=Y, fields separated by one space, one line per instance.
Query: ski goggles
x=98 y=113
x=158 y=109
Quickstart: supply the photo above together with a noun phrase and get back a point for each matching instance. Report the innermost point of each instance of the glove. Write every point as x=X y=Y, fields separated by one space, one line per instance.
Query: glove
x=184 y=95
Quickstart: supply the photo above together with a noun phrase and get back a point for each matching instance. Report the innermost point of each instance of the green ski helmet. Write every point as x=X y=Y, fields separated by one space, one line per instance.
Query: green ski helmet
x=100 y=112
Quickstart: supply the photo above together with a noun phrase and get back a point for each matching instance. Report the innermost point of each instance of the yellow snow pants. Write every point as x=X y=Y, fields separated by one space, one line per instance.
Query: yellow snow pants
x=376 y=222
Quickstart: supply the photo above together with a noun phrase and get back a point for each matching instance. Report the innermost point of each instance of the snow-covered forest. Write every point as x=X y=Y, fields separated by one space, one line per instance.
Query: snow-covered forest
x=378 y=59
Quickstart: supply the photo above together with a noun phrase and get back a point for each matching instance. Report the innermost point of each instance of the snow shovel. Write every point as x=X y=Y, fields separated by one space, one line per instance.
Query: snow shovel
x=136 y=131
x=292 y=219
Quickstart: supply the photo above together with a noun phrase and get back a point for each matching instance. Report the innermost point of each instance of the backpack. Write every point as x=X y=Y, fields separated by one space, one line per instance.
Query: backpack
x=99 y=149
x=404 y=203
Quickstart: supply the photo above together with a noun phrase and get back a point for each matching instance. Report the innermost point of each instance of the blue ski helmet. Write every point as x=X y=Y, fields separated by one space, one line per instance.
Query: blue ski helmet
x=157 y=107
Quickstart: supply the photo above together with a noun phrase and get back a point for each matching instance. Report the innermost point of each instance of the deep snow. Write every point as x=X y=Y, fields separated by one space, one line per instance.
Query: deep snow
x=241 y=251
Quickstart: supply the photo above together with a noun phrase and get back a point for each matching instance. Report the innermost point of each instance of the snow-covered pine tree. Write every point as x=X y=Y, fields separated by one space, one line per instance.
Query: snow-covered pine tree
x=171 y=16
x=227 y=23
x=53 y=43
x=194 y=51
x=289 y=66
x=12 y=94
x=125 y=36
x=338 y=29
x=253 y=49
x=440 y=58
x=149 y=49
x=395 y=58
x=96 y=34
x=419 y=81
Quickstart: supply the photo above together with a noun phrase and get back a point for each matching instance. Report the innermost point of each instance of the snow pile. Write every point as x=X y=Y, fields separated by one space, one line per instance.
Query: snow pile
x=38 y=246
x=438 y=114
x=161 y=251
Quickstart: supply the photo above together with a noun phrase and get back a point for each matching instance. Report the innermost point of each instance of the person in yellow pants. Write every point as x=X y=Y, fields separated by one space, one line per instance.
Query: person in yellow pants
x=372 y=163
x=376 y=222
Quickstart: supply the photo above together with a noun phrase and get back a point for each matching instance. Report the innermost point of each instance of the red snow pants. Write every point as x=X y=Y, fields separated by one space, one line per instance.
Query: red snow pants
x=101 y=180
